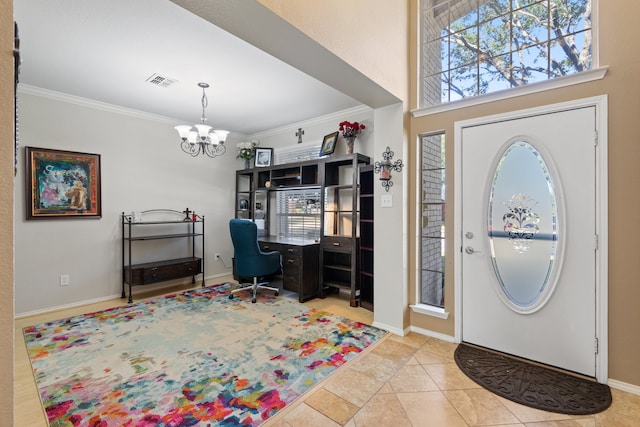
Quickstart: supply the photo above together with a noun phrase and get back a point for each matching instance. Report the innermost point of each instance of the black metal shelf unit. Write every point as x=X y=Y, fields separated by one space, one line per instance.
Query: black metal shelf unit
x=188 y=226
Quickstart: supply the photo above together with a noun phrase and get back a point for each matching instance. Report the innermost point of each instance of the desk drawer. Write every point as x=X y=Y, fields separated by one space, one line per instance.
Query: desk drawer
x=168 y=272
x=143 y=274
x=291 y=251
x=336 y=244
x=290 y=263
x=270 y=247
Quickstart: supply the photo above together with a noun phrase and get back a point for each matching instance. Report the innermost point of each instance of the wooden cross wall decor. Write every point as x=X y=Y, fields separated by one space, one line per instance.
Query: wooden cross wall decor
x=299 y=134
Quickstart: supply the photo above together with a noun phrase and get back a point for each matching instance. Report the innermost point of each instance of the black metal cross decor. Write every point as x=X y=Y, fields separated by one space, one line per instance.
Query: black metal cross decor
x=299 y=134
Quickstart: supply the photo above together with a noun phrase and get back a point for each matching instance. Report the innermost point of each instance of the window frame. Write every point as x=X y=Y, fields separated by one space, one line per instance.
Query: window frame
x=597 y=72
x=420 y=307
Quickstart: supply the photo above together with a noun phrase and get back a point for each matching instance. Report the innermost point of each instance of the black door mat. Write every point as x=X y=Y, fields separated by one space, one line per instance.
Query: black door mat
x=532 y=385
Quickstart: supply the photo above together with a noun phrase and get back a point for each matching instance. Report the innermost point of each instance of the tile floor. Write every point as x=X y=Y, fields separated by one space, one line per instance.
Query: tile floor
x=400 y=381
x=414 y=381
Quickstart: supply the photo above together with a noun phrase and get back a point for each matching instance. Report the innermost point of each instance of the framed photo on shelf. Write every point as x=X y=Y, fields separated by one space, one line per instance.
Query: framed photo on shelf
x=329 y=144
x=62 y=184
x=263 y=157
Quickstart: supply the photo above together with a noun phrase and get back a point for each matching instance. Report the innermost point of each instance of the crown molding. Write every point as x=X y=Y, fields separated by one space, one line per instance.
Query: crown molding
x=91 y=103
x=338 y=115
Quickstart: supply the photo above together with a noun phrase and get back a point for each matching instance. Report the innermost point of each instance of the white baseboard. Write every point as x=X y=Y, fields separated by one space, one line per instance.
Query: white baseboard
x=388 y=328
x=404 y=332
x=619 y=385
x=139 y=289
x=428 y=333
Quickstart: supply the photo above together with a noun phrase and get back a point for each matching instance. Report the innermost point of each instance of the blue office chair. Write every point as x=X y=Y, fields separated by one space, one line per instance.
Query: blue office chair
x=250 y=261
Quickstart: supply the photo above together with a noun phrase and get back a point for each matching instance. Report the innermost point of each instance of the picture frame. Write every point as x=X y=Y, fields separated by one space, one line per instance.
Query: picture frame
x=329 y=144
x=263 y=157
x=62 y=184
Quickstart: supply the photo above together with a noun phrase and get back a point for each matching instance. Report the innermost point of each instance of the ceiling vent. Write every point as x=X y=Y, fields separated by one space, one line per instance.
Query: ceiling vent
x=162 y=81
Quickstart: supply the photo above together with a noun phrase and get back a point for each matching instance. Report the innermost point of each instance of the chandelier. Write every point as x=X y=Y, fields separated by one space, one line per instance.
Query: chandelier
x=202 y=140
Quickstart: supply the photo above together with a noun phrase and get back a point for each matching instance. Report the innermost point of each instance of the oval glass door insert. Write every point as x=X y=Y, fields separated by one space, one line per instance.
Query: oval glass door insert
x=523 y=227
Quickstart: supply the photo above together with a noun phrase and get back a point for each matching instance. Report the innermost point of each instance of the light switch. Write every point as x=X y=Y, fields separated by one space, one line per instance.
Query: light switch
x=386 y=201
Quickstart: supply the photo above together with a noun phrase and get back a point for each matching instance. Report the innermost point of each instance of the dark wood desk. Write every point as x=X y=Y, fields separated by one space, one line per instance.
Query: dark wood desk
x=300 y=264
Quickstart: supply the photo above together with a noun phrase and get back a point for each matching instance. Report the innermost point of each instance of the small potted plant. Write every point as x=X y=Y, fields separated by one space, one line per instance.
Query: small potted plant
x=246 y=151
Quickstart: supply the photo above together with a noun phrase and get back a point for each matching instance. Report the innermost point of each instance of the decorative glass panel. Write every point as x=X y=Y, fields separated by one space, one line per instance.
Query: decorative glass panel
x=523 y=225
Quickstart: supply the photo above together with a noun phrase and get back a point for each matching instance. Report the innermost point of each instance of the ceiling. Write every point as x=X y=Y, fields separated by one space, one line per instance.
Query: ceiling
x=108 y=50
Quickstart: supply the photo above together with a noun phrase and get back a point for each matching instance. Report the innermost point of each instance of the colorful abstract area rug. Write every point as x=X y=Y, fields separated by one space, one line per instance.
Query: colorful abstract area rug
x=187 y=359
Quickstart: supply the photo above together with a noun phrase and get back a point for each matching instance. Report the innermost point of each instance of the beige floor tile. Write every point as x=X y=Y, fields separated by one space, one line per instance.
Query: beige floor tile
x=412 y=361
x=395 y=351
x=614 y=419
x=591 y=422
x=530 y=415
x=353 y=386
x=376 y=366
x=412 y=339
x=386 y=389
x=412 y=378
x=624 y=403
x=430 y=408
x=564 y=423
x=382 y=410
x=304 y=416
x=480 y=407
x=449 y=377
x=332 y=406
x=441 y=348
x=426 y=357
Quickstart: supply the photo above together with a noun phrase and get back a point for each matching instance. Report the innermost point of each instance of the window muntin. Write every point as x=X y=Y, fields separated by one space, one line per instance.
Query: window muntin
x=474 y=47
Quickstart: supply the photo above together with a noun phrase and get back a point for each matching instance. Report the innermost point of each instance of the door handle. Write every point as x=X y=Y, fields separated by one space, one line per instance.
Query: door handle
x=470 y=250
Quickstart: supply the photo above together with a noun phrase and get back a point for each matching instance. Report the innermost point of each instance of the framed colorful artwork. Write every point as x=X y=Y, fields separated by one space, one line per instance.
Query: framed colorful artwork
x=62 y=184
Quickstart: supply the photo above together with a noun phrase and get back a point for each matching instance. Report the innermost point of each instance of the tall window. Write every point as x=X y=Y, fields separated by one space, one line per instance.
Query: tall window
x=473 y=47
x=432 y=230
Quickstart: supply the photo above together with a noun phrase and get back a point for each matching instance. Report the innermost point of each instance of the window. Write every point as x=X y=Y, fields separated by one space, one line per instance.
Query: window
x=474 y=47
x=298 y=213
x=432 y=216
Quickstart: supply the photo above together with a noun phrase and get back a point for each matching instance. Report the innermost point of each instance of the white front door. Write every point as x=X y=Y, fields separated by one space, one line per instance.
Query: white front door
x=529 y=238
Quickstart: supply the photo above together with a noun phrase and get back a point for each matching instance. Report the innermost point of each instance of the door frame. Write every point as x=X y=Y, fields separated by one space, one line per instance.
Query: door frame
x=601 y=198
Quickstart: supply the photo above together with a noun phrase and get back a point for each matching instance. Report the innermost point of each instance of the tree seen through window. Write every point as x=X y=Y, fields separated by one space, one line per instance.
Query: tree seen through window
x=473 y=47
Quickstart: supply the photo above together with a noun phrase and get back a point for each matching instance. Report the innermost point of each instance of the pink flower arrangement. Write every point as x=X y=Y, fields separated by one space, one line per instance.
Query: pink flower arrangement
x=349 y=129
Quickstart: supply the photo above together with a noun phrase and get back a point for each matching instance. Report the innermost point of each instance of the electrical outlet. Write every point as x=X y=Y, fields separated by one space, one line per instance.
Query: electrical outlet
x=217 y=256
x=64 y=280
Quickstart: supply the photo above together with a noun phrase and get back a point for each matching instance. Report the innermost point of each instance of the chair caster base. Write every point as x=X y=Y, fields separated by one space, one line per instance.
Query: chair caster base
x=253 y=300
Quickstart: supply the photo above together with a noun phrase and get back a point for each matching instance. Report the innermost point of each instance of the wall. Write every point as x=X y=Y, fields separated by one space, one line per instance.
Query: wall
x=6 y=211
x=368 y=34
x=142 y=168
x=620 y=53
